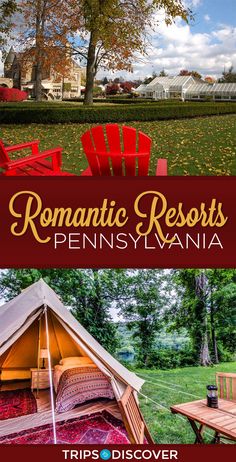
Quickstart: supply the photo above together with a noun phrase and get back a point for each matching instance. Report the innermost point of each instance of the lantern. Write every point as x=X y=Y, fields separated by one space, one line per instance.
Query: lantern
x=212 y=396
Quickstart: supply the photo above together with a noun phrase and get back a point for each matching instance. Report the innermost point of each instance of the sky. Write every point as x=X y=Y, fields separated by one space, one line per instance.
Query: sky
x=207 y=45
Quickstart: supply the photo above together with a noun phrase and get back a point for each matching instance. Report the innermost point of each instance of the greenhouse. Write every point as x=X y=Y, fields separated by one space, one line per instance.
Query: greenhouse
x=165 y=87
x=187 y=88
x=199 y=91
x=218 y=91
x=224 y=91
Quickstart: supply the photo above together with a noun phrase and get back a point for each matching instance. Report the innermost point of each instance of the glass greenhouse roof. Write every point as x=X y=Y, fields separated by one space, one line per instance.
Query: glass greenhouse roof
x=228 y=88
x=217 y=88
x=199 y=88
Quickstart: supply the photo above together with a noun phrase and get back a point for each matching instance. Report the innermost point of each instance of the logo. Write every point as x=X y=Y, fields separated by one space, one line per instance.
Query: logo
x=105 y=454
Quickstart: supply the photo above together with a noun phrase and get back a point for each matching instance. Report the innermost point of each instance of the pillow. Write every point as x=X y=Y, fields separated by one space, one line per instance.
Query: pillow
x=76 y=361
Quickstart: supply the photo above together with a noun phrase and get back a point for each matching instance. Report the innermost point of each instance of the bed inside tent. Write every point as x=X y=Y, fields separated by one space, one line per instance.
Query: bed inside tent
x=54 y=371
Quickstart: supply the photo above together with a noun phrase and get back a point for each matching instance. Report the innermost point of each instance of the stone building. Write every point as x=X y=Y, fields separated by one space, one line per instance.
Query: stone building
x=54 y=86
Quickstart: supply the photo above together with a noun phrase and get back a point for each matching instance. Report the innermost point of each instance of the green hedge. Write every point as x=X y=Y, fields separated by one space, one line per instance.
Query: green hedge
x=106 y=114
x=114 y=100
x=123 y=100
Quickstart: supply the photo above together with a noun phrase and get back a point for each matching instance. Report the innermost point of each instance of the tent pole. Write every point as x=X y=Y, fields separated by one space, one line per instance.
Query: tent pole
x=50 y=377
x=39 y=344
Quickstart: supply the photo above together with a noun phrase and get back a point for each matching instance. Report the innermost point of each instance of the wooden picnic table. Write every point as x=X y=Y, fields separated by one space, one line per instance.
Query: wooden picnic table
x=221 y=420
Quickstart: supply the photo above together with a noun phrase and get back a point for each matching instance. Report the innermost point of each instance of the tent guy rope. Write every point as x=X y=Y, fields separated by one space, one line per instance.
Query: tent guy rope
x=170 y=388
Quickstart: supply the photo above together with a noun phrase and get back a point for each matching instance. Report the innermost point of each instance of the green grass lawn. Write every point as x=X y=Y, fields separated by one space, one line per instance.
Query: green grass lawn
x=168 y=388
x=200 y=146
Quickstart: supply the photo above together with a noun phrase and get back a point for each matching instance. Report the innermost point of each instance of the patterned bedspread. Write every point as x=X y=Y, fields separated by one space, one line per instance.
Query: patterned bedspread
x=81 y=384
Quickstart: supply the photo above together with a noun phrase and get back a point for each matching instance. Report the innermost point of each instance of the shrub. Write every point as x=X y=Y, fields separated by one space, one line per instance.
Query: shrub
x=126 y=87
x=167 y=358
x=12 y=94
x=224 y=354
x=112 y=89
x=31 y=113
x=98 y=91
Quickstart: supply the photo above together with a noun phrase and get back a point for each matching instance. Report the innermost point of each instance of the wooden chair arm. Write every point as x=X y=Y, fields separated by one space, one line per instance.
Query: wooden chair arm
x=161 y=169
x=55 y=154
x=18 y=147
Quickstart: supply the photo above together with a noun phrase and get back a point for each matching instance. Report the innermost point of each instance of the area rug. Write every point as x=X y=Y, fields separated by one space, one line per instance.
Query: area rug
x=15 y=403
x=99 y=428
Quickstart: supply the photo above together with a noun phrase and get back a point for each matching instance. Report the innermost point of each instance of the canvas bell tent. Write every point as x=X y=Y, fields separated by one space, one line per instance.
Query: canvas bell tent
x=37 y=320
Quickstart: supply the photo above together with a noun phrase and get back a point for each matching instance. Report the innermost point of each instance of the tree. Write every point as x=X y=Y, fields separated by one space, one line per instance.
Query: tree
x=7 y=10
x=112 y=31
x=228 y=76
x=201 y=317
x=190 y=310
x=196 y=74
x=210 y=79
x=222 y=298
x=105 y=81
x=46 y=26
x=93 y=309
x=163 y=73
x=142 y=309
x=89 y=293
x=102 y=33
x=226 y=316
x=185 y=72
x=149 y=79
x=201 y=306
x=193 y=311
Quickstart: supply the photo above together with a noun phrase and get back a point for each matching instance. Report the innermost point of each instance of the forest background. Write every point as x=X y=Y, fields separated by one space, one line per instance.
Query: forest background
x=148 y=318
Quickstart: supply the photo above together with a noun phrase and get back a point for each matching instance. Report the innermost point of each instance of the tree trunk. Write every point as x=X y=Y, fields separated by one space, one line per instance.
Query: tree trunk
x=39 y=37
x=90 y=72
x=97 y=302
x=205 y=359
x=213 y=335
x=38 y=82
x=201 y=281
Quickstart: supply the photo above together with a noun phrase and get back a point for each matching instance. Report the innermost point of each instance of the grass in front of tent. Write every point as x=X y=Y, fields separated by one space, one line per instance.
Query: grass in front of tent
x=200 y=146
x=168 y=388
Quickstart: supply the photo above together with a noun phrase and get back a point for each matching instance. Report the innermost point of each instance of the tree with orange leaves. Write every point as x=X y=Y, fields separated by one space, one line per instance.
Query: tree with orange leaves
x=112 y=31
x=45 y=27
x=101 y=33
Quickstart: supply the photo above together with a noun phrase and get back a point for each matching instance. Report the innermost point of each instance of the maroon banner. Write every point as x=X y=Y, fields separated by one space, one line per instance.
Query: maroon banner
x=151 y=453
x=118 y=222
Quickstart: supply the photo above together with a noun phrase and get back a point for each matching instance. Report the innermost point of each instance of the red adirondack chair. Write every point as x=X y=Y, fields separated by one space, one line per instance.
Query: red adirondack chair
x=37 y=164
x=114 y=152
